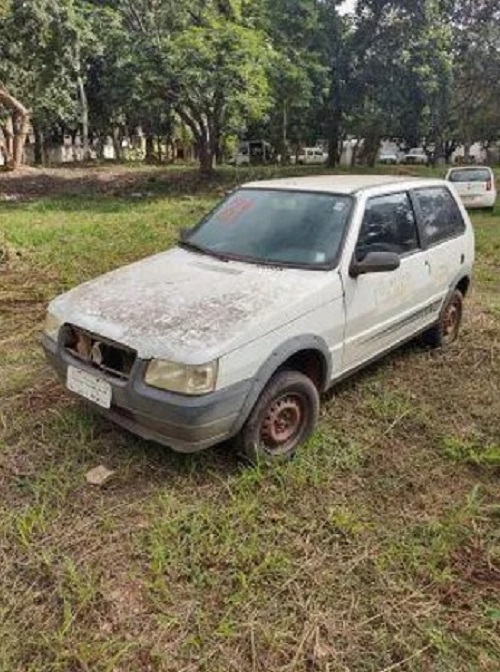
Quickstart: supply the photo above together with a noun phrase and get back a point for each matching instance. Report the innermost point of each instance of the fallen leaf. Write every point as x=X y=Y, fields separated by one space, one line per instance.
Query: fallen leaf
x=98 y=475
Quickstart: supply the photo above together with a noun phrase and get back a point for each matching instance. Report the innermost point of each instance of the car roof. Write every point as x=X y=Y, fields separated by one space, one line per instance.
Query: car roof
x=342 y=184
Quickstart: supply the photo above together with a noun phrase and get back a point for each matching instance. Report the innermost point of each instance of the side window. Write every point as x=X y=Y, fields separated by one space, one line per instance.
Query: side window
x=441 y=217
x=388 y=226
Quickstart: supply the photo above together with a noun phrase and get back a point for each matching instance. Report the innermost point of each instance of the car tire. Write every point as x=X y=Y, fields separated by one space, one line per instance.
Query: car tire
x=283 y=418
x=445 y=332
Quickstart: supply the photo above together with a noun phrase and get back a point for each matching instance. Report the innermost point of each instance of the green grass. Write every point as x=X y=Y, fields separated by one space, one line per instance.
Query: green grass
x=376 y=549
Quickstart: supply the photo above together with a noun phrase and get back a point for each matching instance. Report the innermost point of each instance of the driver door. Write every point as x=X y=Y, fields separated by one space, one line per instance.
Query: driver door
x=385 y=308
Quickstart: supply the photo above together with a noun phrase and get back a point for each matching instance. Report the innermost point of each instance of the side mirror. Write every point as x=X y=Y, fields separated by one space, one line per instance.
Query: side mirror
x=184 y=233
x=375 y=262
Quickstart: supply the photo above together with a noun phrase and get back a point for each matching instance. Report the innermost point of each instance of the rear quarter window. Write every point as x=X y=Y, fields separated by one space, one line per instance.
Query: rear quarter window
x=440 y=215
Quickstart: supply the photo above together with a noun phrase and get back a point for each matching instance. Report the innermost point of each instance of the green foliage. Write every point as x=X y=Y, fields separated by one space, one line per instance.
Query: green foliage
x=37 y=55
x=289 y=71
x=473 y=450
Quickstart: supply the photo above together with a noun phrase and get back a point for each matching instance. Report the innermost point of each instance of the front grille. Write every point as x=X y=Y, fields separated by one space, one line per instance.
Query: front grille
x=98 y=352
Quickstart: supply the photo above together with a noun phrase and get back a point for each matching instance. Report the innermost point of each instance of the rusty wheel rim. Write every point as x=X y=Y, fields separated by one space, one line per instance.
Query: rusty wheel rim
x=283 y=423
x=451 y=321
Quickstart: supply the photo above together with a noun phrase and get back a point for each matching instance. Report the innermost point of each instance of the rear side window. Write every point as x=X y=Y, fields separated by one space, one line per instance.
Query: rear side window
x=440 y=215
x=470 y=175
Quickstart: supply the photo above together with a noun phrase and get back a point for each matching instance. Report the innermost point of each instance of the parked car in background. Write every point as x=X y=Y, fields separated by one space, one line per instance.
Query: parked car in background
x=253 y=152
x=388 y=158
x=312 y=156
x=416 y=156
x=286 y=288
x=475 y=185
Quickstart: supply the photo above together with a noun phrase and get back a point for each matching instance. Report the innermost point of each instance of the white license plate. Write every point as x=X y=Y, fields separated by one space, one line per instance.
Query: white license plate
x=89 y=386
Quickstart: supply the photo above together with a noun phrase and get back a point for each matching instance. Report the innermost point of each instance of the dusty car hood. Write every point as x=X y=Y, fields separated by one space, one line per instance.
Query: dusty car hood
x=193 y=308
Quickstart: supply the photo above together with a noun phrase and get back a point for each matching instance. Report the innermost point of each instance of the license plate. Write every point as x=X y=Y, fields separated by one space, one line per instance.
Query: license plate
x=88 y=386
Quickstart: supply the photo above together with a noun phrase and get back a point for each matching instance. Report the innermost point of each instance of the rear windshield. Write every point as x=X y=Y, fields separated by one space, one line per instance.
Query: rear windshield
x=470 y=175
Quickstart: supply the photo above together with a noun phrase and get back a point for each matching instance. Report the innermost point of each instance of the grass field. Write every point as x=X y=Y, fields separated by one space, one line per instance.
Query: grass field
x=378 y=549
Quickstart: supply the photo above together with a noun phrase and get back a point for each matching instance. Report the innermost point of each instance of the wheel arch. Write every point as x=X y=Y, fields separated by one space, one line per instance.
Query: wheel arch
x=308 y=354
x=463 y=285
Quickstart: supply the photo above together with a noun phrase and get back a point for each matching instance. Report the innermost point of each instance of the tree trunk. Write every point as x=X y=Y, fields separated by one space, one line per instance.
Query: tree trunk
x=82 y=94
x=334 y=137
x=22 y=124
x=150 y=148
x=449 y=147
x=354 y=153
x=218 y=151
x=284 y=133
x=206 y=156
x=39 y=141
x=19 y=123
x=200 y=127
x=8 y=132
x=117 y=143
x=159 y=152
x=84 y=119
x=7 y=148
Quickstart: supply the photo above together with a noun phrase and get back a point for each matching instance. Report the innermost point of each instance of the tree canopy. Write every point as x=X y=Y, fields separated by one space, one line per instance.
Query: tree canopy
x=288 y=71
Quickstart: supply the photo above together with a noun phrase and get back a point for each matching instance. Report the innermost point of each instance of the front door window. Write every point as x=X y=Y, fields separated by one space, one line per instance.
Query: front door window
x=388 y=226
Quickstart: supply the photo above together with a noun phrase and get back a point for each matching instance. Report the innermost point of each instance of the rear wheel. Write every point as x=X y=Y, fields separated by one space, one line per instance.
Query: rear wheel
x=283 y=418
x=445 y=332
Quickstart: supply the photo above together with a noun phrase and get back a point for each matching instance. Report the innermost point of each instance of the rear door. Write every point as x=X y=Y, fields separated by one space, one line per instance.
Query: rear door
x=384 y=309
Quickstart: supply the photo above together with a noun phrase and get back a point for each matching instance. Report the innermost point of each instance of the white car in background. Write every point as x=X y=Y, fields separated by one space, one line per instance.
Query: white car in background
x=312 y=156
x=475 y=186
x=388 y=158
x=416 y=157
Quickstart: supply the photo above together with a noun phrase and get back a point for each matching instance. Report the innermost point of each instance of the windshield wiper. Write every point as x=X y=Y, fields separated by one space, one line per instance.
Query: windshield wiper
x=194 y=247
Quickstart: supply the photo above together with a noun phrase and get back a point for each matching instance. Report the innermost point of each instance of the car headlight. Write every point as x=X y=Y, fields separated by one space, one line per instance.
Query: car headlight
x=182 y=378
x=52 y=325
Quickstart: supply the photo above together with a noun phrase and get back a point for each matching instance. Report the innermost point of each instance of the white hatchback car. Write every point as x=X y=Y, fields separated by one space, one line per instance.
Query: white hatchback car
x=285 y=288
x=475 y=186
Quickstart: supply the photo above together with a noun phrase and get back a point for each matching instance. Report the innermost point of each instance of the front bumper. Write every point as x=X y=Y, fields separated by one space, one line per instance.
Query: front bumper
x=185 y=424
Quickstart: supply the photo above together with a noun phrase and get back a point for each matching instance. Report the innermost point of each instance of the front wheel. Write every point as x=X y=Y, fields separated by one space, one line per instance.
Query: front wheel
x=445 y=332
x=283 y=418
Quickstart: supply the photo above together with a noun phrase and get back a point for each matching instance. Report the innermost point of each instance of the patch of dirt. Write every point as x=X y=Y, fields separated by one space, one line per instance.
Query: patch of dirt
x=113 y=179
x=474 y=565
x=126 y=604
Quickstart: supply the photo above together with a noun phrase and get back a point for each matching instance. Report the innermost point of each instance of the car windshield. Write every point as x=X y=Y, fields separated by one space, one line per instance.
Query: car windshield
x=470 y=175
x=274 y=226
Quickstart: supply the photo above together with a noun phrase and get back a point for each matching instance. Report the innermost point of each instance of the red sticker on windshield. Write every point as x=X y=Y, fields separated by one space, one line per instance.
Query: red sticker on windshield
x=233 y=210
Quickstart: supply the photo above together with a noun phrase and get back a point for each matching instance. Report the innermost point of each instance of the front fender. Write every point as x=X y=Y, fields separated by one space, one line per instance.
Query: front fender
x=275 y=360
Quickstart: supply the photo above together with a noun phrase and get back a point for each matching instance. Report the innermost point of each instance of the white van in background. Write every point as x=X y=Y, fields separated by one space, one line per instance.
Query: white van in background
x=312 y=156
